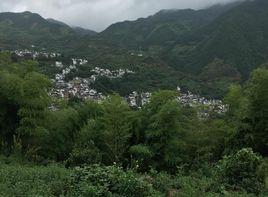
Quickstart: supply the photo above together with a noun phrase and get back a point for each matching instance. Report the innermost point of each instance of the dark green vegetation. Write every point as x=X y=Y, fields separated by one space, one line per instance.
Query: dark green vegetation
x=85 y=148
x=26 y=29
x=203 y=51
x=108 y=149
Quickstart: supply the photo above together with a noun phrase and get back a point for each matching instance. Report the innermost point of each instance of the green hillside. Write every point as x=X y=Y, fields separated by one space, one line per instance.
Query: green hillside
x=163 y=28
x=200 y=47
x=239 y=37
x=18 y=30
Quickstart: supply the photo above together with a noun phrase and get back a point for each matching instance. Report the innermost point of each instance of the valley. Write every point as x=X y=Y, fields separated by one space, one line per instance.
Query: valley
x=171 y=104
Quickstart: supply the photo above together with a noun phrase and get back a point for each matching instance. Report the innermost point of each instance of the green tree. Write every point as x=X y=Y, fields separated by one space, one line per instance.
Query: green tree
x=249 y=109
x=238 y=104
x=116 y=124
x=24 y=99
x=258 y=109
x=106 y=135
x=62 y=126
x=10 y=92
x=34 y=103
x=85 y=150
x=162 y=132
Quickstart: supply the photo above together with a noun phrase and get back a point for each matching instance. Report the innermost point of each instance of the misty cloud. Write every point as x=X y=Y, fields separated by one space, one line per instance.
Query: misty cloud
x=99 y=14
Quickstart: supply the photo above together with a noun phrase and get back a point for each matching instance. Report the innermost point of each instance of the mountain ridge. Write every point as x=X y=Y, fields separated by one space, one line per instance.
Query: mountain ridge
x=216 y=46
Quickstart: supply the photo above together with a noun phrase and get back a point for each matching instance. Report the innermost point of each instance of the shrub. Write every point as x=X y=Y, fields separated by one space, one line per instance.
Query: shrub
x=18 y=180
x=163 y=181
x=111 y=180
x=240 y=171
x=84 y=156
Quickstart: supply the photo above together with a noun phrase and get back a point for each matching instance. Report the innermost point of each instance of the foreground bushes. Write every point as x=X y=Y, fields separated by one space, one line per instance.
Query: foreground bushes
x=235 y=178
x=107 y=181
x=16 y=180
x=240 y=171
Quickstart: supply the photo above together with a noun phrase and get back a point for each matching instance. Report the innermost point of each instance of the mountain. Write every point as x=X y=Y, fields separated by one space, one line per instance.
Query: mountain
x=51 y=20
x=165 y=27
x=201 y=50
x=216 y=46
x=239 y=37
x=78 y=30
x=24 y=29
x=84 y=32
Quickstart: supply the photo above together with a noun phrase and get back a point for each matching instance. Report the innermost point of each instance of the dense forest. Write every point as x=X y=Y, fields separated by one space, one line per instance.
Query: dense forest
x=88 y=148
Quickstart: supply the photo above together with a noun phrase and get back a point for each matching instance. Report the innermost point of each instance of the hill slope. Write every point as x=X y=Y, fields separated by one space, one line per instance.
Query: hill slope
x=206 y=50
x=239 y=37
x=165 y=27
x=27 y=28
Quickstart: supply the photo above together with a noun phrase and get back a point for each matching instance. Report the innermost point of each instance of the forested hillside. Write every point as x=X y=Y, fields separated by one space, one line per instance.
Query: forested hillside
x=239 y=37
x=164 y=28
x=229 y=40
x=108 y=148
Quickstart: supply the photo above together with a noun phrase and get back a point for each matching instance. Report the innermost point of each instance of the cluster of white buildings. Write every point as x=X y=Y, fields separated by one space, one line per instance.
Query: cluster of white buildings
x=80 y=87
x=203 y=105
x=36 y=54
x=77 y=87
x=189 y=99
x=76 y=61
x=137 y=100
x=100 y=72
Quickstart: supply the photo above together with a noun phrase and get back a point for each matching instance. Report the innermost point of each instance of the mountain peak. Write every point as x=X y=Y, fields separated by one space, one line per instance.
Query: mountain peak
x=27 y=12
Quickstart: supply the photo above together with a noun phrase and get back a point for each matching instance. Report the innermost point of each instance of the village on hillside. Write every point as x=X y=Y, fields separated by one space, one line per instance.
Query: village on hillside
x=66 y=88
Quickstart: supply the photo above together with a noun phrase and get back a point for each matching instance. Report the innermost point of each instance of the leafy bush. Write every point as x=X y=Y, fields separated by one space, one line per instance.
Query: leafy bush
x=82 y=156
x=240 y=171
x=263 y=173
x=195 y=186
x=111 y=180
x=95 y=180
x=163 y=181
x=16 y=180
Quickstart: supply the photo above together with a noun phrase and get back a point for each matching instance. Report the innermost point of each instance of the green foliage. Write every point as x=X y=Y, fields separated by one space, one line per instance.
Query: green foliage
x=237 y=102
x=27 y=180
x=240 y=171
x=258 y=109
x=248 y=106
x=111 y=181
x=62 y=127
x=263 y=172
x=238 y=37
x=179 y=147
x=86 y=149
x=116 y=125
x=163 y=133
x=159 y=138
x=140 y=151
x=208 y=143
x=162 y=29
x=24 y=100
x=163 y=182
x=23 y=29
x=34 y=100
x=17 y=180
x=106 y=134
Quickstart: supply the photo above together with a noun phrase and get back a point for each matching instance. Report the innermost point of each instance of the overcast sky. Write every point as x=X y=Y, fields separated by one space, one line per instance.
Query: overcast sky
x=99 y=14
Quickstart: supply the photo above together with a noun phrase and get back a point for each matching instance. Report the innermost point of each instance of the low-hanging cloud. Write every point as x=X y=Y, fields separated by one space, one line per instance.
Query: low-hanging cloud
x=98 y=14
